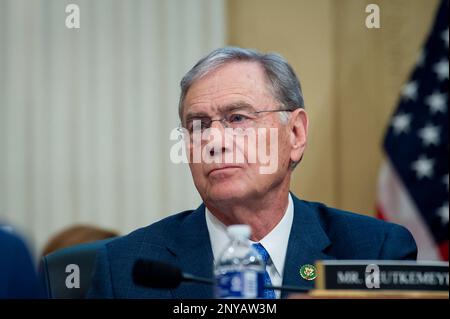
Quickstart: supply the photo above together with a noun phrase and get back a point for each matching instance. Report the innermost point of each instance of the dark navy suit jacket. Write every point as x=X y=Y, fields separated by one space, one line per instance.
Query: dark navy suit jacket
x=318 y=233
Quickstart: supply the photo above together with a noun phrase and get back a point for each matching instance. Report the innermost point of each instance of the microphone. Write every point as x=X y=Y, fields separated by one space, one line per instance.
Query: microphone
x=156 y=274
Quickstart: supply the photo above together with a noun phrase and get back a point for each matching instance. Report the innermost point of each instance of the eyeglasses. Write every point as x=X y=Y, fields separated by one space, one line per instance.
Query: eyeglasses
x=236 y=119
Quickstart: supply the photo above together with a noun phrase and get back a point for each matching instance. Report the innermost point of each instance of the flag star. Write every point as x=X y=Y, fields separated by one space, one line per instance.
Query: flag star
x=421 y=58
x=409 y=91
x=444 y=36
x=443 y=213
x=423 y=167
x=441 y=69
x=445 y=180
x=401 y=123
x=429 y=135
x=436 y=102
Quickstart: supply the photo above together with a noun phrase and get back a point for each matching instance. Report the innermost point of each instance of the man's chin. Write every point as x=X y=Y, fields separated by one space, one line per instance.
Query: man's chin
x=226 y=193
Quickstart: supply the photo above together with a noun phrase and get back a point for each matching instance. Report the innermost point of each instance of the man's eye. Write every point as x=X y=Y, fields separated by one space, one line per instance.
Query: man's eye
x=237 y=118
x=198 y=124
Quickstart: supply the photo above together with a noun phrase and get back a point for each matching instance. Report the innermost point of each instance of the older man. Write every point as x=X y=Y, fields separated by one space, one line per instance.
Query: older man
x=242 y=96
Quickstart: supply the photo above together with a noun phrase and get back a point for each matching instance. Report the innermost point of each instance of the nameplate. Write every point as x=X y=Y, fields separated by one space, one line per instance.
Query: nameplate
x=382 y=275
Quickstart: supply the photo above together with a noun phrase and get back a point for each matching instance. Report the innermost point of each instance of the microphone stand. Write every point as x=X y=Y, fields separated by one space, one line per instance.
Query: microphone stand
x=288 y=288
x=192 y=278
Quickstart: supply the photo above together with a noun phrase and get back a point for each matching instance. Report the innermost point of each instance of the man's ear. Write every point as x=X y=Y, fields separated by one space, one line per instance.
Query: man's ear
x=298 y=133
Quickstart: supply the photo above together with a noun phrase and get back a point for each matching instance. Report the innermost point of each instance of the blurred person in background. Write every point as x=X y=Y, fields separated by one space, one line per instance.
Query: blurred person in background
x=77 y=234
x=18 y=277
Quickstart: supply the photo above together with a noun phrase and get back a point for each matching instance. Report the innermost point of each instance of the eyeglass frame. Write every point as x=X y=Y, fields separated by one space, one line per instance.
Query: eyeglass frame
x=226 y=124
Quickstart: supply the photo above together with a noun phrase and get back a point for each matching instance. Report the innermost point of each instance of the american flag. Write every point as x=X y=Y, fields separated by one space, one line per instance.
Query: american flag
x=413 y=183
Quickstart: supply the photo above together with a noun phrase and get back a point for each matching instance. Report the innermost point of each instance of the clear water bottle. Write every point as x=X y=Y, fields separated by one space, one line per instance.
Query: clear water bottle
x=239 y=272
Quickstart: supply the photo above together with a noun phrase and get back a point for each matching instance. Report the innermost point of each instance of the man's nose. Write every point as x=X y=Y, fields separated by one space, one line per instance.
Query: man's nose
x=216 y=150
x=218 y=123
x=218 y=145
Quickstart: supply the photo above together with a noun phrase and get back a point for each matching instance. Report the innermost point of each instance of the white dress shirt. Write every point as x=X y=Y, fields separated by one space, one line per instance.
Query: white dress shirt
x=275 y=242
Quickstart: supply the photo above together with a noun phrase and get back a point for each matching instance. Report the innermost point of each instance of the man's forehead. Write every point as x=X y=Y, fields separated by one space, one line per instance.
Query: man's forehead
x=236 y=84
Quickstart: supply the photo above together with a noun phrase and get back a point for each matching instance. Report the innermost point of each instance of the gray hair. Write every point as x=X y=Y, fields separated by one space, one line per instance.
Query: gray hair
x=283 y=82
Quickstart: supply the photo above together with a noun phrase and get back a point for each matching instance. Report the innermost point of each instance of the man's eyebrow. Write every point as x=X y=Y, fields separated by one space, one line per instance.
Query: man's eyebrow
x=195 y=115
x=236 y=106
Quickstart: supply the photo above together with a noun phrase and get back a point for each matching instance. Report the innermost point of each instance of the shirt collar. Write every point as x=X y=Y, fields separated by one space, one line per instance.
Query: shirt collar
x=275 y=242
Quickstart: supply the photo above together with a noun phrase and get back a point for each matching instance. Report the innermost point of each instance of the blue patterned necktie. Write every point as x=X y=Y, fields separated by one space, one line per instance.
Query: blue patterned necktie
x=268 y=293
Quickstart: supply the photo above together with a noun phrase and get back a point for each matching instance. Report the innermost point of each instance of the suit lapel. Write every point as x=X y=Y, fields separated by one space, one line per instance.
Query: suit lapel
x=307 y=241
x=194 y=254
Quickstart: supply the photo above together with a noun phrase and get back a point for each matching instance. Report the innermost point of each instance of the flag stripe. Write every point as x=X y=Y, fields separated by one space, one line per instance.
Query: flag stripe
x=395 y=205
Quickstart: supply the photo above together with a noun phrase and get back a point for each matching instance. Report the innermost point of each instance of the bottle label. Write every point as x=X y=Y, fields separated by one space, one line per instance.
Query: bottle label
x=240 y=284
